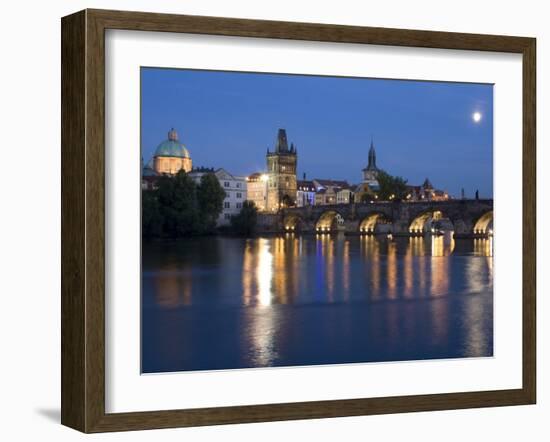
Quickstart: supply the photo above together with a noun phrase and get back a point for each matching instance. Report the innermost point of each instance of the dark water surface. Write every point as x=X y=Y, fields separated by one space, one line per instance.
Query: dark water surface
x=222 y=303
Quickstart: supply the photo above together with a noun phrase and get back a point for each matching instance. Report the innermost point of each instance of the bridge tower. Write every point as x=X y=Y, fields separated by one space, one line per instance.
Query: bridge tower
x=281 y=173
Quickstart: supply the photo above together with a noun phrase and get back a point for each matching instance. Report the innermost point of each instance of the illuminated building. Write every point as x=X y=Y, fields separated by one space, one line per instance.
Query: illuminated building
x=256 y=190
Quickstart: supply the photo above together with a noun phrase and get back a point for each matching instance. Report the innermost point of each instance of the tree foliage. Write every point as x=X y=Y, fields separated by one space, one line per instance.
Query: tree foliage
x=287 y=201
x=177 y=207
x=210 y=196
x=245 y=222
x=391 y=187
x=151 y=219
x=367 y=197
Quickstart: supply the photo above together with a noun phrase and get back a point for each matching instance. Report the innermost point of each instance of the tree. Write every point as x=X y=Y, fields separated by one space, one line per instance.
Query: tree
x=287 y=201
x=177 y=198
x=210 y=196
x=245 y=222
x=367 y=197
x=151 y=219
x=391 y=187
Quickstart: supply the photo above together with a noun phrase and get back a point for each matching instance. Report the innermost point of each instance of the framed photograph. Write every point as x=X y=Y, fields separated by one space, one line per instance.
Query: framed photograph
x=269 y=220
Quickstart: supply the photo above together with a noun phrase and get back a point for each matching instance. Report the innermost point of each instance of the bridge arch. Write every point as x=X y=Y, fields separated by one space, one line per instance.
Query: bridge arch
x=369 y=223
x=293 y=223
x=424 y=221
x=484 y=224
x=330 y=221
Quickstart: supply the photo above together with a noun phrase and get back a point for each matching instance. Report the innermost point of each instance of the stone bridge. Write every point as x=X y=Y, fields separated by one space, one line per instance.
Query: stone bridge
x=466 y=217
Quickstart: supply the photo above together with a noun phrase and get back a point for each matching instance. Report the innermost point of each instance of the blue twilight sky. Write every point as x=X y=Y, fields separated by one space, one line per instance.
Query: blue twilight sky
x=420 y=129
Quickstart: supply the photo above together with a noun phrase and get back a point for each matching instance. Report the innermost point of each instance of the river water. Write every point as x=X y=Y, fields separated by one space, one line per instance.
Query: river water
x=223 y=303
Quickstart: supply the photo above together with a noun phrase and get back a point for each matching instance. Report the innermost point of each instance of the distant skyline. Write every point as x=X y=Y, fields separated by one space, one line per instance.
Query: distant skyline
x=437 y=130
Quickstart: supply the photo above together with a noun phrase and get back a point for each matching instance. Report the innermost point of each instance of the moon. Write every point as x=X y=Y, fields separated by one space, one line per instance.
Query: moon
x=476 y=116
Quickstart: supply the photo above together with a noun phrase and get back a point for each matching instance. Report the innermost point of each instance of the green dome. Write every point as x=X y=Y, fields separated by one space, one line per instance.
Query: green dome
x=172 y=147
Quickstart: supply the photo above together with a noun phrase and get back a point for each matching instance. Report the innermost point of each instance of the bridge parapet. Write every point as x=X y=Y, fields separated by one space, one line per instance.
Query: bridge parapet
x=463 y=214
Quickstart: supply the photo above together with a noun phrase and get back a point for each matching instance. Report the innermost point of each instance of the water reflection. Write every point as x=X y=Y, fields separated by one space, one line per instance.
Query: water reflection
x=299 y=300
x=174 y=287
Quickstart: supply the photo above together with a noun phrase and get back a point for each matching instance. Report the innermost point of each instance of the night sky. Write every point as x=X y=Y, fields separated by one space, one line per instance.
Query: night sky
x=420 y=129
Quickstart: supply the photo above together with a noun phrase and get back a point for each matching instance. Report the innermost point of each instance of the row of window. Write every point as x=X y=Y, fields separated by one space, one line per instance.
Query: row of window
x=228 y=184
x=227 y=205
x=273 y=183
x=283 y=168
x=238 y=195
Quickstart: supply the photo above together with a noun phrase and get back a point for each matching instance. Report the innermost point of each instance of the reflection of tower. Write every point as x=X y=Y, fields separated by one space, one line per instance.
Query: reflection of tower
x=370 y=173
x=281 y=172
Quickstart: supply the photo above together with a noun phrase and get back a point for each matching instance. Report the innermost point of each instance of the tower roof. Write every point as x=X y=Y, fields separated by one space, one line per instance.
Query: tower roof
x=281 y=144
x=372 y=158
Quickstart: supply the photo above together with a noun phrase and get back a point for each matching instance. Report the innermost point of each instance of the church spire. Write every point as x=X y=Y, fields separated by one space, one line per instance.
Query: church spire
x=282 y=143
x=372 y=157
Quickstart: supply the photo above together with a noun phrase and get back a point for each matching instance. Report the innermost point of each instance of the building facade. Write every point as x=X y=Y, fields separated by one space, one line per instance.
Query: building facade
x=345 y=195
x=256 y=190
x=324 y=197
x=235 y=192
x=426 y=192
x=305 y=193
x=281 y=174
x=363 y=193
x=327 y=190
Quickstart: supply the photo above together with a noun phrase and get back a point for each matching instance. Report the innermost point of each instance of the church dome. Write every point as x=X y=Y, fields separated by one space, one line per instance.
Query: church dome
x=172 y=147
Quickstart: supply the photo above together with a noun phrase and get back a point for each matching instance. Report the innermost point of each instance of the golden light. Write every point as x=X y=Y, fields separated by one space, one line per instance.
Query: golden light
x=264 y=272
x=264 y=177
x=476 y=116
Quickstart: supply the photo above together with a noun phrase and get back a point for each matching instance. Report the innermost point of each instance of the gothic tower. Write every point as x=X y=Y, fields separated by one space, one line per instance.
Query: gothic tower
x=370 y=173
x=281 y=172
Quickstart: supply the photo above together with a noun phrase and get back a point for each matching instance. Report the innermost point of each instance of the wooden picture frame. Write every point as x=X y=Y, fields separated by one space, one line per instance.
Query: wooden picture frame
x=83 y=220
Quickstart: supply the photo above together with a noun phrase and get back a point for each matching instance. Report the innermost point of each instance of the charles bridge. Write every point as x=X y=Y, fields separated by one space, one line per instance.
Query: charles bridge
x=466 y=217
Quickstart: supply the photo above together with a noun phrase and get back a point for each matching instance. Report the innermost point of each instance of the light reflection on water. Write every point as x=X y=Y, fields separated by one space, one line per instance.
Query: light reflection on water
x=215 y=303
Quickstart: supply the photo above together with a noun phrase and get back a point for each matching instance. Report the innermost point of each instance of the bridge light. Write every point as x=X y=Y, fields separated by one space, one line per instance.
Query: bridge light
x=490 y=231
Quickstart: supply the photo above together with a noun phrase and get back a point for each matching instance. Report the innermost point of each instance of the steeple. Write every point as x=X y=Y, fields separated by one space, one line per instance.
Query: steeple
x=372 y=157
x=282 y=144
